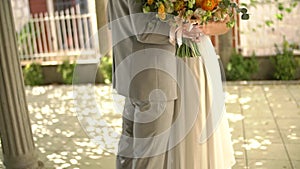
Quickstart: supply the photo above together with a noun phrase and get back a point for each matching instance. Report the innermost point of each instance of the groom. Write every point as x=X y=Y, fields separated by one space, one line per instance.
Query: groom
x=144 y=74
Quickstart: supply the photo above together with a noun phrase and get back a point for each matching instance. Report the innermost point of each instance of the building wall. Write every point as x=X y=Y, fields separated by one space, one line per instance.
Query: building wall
x=38 y=6
x=257 y=36
x=21 y=13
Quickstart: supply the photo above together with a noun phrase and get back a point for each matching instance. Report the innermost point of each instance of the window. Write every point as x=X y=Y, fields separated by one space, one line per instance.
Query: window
x=62 y=5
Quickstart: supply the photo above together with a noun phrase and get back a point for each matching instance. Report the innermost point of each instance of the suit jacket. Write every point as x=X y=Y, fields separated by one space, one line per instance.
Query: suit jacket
x=143 y=58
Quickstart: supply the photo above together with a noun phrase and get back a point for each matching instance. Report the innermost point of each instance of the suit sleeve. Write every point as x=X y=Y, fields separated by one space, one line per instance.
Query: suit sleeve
x=147 y=27
x=116 y=9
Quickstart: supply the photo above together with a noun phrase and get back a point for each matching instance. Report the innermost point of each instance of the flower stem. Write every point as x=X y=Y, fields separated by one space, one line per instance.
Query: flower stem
x=188 y=48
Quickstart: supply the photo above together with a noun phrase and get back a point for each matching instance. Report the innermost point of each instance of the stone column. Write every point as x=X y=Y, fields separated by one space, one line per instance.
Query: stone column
x=101 y=22
x=101 y=12
x=15 y=130
x=93 y=22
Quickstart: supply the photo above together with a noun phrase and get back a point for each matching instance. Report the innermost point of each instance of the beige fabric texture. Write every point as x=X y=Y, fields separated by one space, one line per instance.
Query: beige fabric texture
x=125 y=20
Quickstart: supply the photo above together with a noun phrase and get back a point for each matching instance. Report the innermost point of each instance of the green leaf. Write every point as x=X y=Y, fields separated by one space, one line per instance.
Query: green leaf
x=190 y=4
x=244 y=4
x=230 y=24
x=244 y=10
x=146 y=9
x=226 y=2
x=294 y=4
x=288 y=10
x=233 y=5
x=280 y=7
x=222 y=6
x=269 y=23
x=245 y=16
x=279 y=16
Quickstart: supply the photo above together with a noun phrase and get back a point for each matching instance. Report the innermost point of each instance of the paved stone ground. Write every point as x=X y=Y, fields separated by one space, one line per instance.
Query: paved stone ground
x=264 y=120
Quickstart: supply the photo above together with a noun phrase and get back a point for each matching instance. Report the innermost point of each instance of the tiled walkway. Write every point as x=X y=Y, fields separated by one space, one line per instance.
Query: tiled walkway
x=264 y=119
x=266 y=132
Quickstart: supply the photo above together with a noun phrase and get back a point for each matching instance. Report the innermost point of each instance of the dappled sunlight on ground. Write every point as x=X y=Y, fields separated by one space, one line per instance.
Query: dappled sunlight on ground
x=231 y=98
x=293 y=136
x=234 y=117
x=79 y=126
x=264 y=121
x=73 y=126
x=78 y=153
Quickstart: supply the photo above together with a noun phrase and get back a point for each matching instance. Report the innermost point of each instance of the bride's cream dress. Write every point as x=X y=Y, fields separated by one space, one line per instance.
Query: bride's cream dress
x=217 y=151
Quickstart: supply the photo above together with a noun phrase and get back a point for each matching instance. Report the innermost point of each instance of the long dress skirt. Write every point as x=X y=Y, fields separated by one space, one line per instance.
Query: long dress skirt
x=217 y=151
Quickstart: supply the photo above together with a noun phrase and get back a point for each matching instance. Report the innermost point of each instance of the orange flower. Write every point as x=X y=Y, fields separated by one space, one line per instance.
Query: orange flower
x=150 y=2
x=198 y=3
x=161 y=11
x=209 y=5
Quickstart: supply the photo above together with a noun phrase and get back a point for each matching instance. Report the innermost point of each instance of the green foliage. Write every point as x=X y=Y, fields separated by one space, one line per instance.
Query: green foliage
x=106 y=68
x=66 y=69
x=33 y=74
x=284 y=62
x=25 y=38
x=241 y=68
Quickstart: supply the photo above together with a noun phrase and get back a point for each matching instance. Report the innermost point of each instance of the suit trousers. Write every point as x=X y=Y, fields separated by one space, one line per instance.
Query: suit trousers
x=144 y=120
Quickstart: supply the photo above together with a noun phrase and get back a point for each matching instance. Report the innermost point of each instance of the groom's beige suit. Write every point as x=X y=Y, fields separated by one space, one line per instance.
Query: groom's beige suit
x=126 y=19
x=135 y=36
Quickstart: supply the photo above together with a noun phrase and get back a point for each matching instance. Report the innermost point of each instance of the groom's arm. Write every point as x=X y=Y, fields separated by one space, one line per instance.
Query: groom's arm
x=147 y=27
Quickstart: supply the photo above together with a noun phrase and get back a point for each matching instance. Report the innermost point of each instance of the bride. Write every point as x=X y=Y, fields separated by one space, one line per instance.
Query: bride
x=170 y=120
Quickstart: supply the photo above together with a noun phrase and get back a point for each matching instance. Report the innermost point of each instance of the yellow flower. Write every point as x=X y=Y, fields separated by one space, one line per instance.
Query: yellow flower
x=161 y=11
x=161 y=8
x=150 y=2
x=179 y=5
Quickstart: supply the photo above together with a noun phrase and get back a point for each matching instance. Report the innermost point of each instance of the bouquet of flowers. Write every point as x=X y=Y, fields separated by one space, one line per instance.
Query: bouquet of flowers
x=180 y=13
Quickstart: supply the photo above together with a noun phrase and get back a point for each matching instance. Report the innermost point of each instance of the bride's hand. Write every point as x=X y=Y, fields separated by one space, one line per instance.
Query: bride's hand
x=192 y=32
x=211 y=28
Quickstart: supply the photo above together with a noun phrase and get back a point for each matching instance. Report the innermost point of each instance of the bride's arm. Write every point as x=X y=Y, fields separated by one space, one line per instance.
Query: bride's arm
x=210 y=28
x=215 y=28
